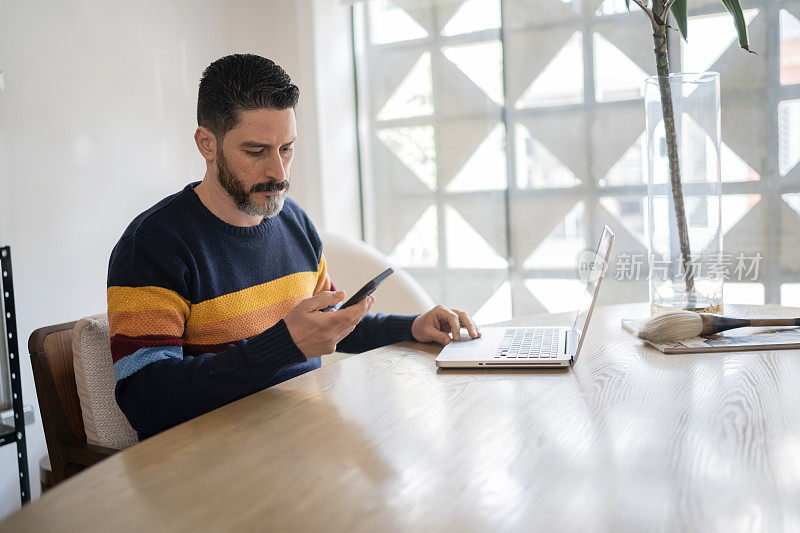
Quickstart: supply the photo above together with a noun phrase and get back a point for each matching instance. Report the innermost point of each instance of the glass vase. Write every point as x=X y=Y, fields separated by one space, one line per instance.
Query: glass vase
x=684 y=213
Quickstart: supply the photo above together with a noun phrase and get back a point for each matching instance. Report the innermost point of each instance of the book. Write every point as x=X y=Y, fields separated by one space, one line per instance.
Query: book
x=742 y=339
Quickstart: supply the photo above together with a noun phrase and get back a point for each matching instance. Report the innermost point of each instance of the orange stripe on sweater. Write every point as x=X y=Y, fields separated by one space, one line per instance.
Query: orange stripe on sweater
x=140 y=323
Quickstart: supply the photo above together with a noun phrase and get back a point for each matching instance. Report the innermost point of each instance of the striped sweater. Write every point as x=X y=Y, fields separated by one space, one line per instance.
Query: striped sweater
x=196 y=309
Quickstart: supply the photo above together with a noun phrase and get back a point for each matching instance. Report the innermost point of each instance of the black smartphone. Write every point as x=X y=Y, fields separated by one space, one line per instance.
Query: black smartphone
x=366 y=290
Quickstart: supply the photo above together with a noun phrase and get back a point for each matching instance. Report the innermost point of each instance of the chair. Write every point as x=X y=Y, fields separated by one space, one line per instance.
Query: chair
x=53 y=373
x=351 y=263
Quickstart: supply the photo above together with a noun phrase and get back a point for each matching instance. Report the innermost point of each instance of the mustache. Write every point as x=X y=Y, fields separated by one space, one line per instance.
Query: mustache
x=270 y=186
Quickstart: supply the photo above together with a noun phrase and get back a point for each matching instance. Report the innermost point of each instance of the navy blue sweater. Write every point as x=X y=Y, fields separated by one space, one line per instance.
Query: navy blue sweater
x=196 y=309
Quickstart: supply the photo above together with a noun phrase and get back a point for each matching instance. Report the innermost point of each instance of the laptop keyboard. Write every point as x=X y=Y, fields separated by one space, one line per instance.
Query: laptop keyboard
x=528 y=343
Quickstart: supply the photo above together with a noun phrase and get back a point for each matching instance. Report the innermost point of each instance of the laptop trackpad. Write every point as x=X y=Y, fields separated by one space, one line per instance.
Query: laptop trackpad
x=467 y=348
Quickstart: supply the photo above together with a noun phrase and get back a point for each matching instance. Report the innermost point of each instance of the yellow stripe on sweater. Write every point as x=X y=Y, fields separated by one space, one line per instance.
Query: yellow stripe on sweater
x=253 y=298
x=240 y=327
x=146 y=299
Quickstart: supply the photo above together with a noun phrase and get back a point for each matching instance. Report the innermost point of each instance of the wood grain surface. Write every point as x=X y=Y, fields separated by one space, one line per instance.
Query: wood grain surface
x=630 y=439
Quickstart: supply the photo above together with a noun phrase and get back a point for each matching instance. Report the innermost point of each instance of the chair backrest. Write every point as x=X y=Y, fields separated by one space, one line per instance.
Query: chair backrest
x=103 y=421
x=351 y=263
x=51 y=360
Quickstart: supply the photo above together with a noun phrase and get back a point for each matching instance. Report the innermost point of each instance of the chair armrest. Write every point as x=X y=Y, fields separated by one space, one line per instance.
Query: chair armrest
x=86 y=454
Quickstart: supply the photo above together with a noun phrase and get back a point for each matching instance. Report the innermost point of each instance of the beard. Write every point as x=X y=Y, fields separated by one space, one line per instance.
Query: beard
x=242 y=197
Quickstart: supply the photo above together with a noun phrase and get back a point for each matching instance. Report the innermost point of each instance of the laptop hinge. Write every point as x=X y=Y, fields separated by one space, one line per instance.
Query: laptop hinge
x=571 y=345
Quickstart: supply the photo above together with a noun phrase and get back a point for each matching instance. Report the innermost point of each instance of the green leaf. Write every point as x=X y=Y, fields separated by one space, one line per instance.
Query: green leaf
x=628 y=4
x=734 y=7
x=679 y=12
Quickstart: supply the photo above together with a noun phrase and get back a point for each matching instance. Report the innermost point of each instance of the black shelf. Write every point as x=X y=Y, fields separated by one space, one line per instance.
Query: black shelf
x=7 y=435
x=16 y=434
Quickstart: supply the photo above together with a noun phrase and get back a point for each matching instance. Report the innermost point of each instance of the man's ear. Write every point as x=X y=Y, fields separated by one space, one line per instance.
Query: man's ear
x=206 y=142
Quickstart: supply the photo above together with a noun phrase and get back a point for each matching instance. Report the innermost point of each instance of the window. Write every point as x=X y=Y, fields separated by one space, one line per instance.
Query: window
x=502 y=136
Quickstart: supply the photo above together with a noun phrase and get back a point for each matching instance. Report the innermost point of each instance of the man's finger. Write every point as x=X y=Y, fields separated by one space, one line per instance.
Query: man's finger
x=467 y=322
x=322 y=300
x=362 y=307
x=453 y=321
x=440 y=336
x=354 y=313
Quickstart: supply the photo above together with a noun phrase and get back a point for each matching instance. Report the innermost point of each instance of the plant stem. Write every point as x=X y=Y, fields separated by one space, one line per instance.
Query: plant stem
x=662 y=65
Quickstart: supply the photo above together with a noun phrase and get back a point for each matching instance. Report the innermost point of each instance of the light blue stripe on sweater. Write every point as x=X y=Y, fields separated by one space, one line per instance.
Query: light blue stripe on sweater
x=139 y=359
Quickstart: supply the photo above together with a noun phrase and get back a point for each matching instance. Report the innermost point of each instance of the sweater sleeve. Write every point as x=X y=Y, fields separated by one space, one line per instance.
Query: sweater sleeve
x=157 y=387
x=375 y=331
x=170 y=390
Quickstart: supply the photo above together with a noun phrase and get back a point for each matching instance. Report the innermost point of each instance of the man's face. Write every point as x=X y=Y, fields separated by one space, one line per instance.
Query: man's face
x=255 y=158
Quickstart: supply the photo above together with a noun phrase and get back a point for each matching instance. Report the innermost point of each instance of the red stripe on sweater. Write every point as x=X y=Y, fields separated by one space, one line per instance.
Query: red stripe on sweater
x=122 y=345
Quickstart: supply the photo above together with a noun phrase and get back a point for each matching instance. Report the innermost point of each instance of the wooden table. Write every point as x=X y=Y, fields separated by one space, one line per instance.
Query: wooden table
x=628 y=440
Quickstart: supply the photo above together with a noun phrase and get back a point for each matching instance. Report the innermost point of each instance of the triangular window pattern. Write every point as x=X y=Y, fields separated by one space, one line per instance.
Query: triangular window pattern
x=388 y=23
x=420 y=246
x=537 y=167
x=631 y=211
x=466 y=248
x=631 y=168
x=710 y=36
x=497 y=308
x=472 y=16
x=617 y=77
x=483 y=64
x=735 y=207
x=561 y=247
x=561 y=81
x=612 y=7
x=790 y=48
x=414 y=96
x=788 y=135
x=415 y=147
x=734 y=168
x=793 y=199
x=486 y=168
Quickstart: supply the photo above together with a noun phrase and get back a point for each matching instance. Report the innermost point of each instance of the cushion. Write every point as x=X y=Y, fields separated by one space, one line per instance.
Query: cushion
x=103 y=420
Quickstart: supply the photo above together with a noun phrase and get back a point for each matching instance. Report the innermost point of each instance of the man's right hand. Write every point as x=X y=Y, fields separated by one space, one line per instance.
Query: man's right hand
x=316 y=332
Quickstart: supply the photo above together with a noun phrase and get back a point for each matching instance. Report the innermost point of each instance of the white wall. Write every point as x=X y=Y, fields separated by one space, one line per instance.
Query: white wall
x=336 y=109
x=96 y=125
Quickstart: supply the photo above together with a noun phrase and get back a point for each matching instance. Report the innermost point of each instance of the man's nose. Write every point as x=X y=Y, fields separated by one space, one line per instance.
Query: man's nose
x=275 y=170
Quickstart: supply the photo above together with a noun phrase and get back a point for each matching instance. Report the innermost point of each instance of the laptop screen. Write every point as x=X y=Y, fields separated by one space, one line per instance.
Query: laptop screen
x=592 y=269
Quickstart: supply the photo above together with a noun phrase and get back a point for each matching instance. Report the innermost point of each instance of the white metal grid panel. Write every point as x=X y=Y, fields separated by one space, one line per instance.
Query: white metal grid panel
x=502 y=136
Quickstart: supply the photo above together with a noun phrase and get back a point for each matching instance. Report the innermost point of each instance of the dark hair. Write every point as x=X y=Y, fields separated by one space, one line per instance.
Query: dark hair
x=241 y=81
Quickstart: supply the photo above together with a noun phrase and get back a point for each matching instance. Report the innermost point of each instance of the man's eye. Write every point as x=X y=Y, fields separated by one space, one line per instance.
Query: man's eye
x=255 y=153
x=287 y=149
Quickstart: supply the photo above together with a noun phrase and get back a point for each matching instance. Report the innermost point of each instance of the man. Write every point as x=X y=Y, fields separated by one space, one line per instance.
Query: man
x=218 y=291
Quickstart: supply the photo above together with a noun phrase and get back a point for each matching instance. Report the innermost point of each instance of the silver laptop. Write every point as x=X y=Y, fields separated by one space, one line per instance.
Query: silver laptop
x=531 y=346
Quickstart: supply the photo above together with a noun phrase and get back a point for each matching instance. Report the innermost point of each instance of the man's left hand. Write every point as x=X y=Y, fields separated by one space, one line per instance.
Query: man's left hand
x=439 y=321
